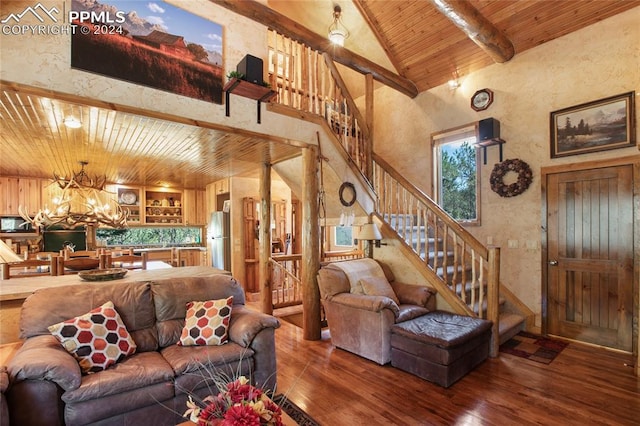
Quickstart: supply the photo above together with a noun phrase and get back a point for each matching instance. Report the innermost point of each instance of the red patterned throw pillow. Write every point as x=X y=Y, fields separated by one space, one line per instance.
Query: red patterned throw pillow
x=206 y=323
x=97 y=339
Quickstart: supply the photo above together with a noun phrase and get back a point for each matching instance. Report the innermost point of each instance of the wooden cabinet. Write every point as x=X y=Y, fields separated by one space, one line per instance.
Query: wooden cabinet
x=163 y=207
x=195 y=207
x=130 y=199
x=15 y=192
x=191 y=257
x=146 y=205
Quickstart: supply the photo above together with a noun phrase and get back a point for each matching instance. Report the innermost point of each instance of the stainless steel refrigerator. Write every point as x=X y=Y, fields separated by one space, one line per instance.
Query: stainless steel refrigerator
x=219 y=241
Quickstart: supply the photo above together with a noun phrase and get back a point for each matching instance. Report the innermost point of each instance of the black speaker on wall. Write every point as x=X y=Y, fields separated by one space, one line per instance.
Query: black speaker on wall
x=251 y=67
x=488 y=129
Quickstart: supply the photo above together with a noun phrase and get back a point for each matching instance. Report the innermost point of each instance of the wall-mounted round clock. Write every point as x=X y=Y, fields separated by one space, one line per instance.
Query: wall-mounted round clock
x=481 y=99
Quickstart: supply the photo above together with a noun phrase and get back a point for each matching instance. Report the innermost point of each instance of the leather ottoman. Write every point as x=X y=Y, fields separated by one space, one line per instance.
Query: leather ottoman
x=440 y=347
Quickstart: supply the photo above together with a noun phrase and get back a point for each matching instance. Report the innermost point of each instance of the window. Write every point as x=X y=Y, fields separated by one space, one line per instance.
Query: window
x=343 y=236
x=150 y=236
x=457 y=174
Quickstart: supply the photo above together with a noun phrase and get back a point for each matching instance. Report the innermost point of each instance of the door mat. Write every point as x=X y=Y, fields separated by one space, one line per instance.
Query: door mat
x=531 y=346
x=295 y=412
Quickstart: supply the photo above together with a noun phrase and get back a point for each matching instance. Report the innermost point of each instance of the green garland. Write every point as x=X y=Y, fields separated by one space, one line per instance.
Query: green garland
x=525 y=176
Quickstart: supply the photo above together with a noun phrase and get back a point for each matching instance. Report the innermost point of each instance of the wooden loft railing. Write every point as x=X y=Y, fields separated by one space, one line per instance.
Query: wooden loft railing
x=307 y=80
x=463 y=271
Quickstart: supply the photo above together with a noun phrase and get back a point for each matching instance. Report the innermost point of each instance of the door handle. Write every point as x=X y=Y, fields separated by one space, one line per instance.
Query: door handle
x=553 y=262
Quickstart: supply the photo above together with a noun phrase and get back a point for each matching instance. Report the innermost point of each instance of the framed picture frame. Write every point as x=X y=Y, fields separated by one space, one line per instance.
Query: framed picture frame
x=165 y=47
x=600 y=125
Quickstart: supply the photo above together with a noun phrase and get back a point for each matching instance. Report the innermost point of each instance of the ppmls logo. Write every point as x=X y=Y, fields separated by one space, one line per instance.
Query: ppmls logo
x=39 y=11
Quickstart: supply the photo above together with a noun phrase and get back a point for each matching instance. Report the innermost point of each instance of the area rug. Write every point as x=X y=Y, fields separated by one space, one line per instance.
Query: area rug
x=295 y=412
x=533 y=347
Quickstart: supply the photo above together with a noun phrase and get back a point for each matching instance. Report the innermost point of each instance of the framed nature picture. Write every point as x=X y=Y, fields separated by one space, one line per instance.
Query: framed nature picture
x=153 y=44
x=595 y=126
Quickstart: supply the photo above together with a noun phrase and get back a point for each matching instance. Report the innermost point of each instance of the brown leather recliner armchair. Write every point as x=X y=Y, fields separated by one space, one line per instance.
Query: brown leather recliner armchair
x=362 y=300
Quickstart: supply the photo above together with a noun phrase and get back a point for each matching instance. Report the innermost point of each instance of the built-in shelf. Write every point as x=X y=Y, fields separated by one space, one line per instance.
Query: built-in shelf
x=248 y=90
x=490 y=142
x=163 y=207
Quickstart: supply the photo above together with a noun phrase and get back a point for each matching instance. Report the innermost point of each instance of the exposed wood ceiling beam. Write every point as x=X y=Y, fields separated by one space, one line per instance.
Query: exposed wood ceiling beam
x=258 y=12
x=373 y=25
x=477 y=28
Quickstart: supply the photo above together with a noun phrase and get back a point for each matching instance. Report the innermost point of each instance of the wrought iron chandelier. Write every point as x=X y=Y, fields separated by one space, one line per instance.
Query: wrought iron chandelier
x=83 y=201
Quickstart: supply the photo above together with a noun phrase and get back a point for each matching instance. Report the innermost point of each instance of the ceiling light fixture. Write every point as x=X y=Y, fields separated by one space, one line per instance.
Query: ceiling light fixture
x=72 y=122
x=83 y=201
x=338 y=33
x=454 y=83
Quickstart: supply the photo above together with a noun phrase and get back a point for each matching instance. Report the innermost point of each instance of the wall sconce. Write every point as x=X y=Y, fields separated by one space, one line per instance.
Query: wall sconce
x=370 y=233
x=338 y=33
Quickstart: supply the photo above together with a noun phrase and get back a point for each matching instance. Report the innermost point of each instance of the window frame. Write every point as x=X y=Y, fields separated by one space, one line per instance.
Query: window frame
x=452 y=135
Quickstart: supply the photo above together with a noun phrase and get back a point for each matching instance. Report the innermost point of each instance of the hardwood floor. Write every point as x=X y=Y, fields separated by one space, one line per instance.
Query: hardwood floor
x=582 y=386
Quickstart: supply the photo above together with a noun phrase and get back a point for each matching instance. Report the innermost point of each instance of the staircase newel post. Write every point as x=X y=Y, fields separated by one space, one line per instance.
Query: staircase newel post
x=493 y=290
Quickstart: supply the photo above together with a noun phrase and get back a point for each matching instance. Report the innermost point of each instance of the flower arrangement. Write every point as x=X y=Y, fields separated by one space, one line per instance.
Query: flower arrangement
x=238 y=404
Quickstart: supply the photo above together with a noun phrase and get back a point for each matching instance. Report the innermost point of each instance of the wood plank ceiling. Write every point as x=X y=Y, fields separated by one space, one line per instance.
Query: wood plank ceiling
x=127 y=148
x=410 y=38
x=426 y=47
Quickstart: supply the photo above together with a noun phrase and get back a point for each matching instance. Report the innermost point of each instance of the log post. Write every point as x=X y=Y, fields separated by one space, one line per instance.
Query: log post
x=369 y=121
x=478 y=28
x=264 y=240
x=493 y=294
x=310 y=263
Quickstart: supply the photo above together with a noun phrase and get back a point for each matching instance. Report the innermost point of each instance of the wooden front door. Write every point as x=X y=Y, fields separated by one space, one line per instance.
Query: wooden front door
x=589 y=268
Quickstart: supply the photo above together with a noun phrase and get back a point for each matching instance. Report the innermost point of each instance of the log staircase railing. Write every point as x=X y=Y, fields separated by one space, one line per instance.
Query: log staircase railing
x=464 y=271
x=307 y=80
x=285 y=280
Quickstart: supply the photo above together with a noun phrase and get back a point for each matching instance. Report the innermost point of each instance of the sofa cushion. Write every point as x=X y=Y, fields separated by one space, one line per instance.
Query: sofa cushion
x=143 y=379
x=133 y=301
x=97 y=339
x=190 y=359
x=206 y=323
x=171 y=296
x=137 y=371
x=378 y=286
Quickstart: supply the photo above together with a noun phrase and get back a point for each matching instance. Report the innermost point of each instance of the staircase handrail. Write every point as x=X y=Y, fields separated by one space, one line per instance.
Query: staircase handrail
x=443 y=215
x=463 y=270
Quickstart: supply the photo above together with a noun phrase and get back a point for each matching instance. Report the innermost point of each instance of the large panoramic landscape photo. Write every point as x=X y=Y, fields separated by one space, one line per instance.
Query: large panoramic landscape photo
x=158 y=45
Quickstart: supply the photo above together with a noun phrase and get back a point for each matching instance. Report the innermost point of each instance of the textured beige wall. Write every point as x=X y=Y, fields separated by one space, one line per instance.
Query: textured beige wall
x=591 y=64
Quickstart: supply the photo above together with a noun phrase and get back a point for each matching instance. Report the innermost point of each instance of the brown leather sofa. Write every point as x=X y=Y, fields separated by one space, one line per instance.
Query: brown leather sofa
x=361 y=323
x=149 y=387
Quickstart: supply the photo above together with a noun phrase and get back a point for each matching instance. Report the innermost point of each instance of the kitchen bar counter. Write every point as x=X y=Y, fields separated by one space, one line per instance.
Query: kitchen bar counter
x=20 y=288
